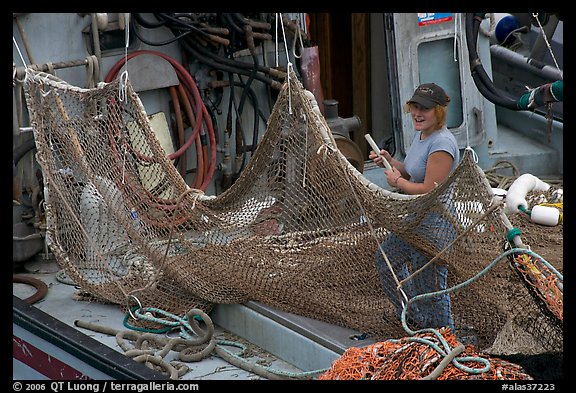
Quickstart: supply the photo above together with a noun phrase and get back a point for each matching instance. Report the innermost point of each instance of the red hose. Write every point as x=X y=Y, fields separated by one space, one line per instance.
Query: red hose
x=180 y=127
x=200 y=168
x=200 y=110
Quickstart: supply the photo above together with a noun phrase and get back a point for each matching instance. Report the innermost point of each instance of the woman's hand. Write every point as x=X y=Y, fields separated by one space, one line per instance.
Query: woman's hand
x=392 y=176
x=377 y=159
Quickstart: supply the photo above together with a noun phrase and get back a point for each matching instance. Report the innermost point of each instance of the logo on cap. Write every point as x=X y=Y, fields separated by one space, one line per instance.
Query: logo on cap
x=429 y=94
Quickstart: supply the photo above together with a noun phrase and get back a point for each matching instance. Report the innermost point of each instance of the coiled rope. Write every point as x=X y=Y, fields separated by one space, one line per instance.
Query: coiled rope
x=190 y=347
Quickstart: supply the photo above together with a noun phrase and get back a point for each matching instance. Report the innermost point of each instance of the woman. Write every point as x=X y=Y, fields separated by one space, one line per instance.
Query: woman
x=432 y=156
x=434 y=152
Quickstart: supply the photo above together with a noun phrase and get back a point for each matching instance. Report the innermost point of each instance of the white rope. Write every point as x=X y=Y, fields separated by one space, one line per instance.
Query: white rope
x=126 y=34
x=123 y=91
x=19 y=52
x=535 y=15
x=289 y=64
x=297 y=38
x=123 y=88
x=457 y=33
x=285 y=45
x=276 y=40
x=491 y=28
x=474 y=155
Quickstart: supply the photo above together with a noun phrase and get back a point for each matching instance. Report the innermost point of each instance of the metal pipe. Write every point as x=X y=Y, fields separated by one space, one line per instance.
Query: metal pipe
x=45 y=67
x=337 y=124
x=24 y=39
x=545 y=71
x=96 y=41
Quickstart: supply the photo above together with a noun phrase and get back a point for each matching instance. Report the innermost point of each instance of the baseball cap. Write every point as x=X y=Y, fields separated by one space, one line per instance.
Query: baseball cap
x=429 y=94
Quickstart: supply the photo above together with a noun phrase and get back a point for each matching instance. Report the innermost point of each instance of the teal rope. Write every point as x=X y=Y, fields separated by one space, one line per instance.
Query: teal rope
x=140 y=329
x=146 y=317
x=232 y=344
x=294 y=375
x=523 y=209
x=512 y=233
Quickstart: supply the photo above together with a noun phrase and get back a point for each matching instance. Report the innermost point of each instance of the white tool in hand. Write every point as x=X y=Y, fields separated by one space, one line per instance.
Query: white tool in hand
x=377 y=150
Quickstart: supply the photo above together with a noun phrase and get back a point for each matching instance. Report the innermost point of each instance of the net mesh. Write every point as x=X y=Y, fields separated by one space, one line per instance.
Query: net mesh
x=300 y=230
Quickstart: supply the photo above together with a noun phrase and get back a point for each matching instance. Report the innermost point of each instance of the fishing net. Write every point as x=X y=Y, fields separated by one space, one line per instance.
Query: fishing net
x=300 y=230
x=421 y=357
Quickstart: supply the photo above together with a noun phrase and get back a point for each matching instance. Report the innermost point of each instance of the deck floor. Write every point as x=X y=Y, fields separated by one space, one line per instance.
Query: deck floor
x=60 y=303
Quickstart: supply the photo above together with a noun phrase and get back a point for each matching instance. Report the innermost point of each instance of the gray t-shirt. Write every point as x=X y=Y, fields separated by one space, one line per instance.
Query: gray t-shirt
x=417 y=156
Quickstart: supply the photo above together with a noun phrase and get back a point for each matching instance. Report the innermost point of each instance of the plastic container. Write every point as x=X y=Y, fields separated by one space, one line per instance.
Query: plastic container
x=26 y=242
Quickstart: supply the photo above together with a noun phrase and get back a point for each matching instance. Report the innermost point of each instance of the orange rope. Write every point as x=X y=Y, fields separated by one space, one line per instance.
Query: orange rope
x=406 y=359
x=545 y=283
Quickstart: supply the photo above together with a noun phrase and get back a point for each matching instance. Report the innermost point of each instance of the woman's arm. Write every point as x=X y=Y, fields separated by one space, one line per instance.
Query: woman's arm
x=438 y=167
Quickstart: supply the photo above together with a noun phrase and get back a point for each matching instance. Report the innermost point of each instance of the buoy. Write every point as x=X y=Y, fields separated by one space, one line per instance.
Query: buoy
x=545 y=215
x=505 y=28
x=516 y=195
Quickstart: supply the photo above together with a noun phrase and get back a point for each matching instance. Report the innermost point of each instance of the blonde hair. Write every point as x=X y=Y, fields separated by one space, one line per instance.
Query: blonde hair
x=440 y=111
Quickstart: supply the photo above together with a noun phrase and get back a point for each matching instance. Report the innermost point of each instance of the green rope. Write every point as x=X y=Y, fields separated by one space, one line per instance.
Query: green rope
x=254 y=367
x=523 y=209
x=147 y=316
x=512 y=233
x=140 y=329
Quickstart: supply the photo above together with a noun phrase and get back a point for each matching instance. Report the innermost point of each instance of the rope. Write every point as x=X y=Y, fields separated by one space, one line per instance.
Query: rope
x=138 y=328
x=296 y=39
x=263 y=371
x=505 y=181
x=215 y=345
x=19 y=52
x=288 y=63
x=145 y=356
x=512 y=233
x=447 y=359
x=535 y=15
x=410 y=359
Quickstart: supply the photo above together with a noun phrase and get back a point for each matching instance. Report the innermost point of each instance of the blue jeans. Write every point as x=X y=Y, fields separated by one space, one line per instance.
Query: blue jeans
x=428 y=312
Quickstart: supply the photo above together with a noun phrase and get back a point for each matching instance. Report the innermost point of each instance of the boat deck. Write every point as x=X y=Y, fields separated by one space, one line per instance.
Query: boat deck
x=283 y=344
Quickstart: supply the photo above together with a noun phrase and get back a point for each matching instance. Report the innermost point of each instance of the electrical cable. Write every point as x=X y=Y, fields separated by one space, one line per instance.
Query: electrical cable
x=219 y=62
x=479 y=75
x=485 y=84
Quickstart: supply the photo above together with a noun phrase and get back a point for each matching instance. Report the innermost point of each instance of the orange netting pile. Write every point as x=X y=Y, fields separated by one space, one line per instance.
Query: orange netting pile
x=414 y=357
